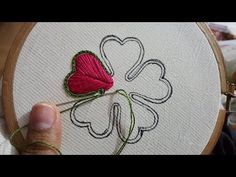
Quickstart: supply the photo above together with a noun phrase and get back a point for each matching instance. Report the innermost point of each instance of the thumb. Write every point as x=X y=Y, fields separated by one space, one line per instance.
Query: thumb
x=44 y=126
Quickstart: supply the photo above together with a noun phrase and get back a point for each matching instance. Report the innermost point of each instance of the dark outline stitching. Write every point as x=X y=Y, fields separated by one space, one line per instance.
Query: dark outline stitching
x=141 y=130
x=110 y=38
x=88 y=125
x=115 y=116
x=130 y=75
x=162 y=79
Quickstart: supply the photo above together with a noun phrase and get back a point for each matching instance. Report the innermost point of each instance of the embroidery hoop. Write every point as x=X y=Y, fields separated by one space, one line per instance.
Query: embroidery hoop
x=8 y=77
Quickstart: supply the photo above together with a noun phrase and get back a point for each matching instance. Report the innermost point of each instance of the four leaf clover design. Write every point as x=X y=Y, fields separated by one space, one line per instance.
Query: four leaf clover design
x=92 y=76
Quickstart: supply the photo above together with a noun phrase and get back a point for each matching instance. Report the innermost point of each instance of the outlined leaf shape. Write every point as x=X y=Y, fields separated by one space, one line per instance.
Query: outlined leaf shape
x=88 y=75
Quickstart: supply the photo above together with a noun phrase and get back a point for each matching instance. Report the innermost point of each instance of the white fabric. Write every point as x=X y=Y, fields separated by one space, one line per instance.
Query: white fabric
x=186 y=120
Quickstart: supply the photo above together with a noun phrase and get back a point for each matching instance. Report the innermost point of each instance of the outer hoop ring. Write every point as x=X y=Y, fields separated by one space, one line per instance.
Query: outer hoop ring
x=14 y=52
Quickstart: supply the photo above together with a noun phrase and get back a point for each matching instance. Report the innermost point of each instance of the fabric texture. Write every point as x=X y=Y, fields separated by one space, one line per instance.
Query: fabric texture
x=169 y=70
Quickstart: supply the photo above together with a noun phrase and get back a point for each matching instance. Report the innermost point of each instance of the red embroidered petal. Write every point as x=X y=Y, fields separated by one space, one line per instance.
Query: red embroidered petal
x=89 y=75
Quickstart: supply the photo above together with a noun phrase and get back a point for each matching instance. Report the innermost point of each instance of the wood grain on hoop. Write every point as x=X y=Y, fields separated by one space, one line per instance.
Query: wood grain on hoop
x=8 y=77
x=218 y=54
x=8 y=104
x=216 y=133
x=8 y=32
x=220 y=61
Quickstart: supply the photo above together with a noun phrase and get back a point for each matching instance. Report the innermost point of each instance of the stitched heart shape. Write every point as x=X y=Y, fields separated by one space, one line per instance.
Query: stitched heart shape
x=88 y=75
x=122 y=42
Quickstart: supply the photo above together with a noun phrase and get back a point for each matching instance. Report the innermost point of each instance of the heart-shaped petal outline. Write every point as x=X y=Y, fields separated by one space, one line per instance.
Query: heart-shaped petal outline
x=141 y=130
x=110 y=38
x=137 y=70
x=88 y=125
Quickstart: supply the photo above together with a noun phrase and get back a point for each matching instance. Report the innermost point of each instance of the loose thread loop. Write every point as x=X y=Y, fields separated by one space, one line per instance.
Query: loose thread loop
x=14 y=134
x=26 y=146
x=76 y=104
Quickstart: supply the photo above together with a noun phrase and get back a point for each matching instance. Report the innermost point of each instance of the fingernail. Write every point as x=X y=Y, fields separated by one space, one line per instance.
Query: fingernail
x=42 y=116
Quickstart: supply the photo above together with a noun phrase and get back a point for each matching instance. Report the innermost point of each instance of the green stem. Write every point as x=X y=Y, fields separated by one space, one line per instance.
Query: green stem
x=132 y=117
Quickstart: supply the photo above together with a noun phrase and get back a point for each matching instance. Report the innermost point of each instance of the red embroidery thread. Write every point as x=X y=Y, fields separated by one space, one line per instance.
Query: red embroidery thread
x=88 y=75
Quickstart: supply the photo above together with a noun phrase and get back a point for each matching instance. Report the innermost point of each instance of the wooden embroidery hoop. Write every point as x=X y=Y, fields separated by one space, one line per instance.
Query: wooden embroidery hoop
x=8 y=77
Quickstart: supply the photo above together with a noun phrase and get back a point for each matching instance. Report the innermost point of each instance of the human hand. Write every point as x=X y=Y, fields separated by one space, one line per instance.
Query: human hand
x=44 y=126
